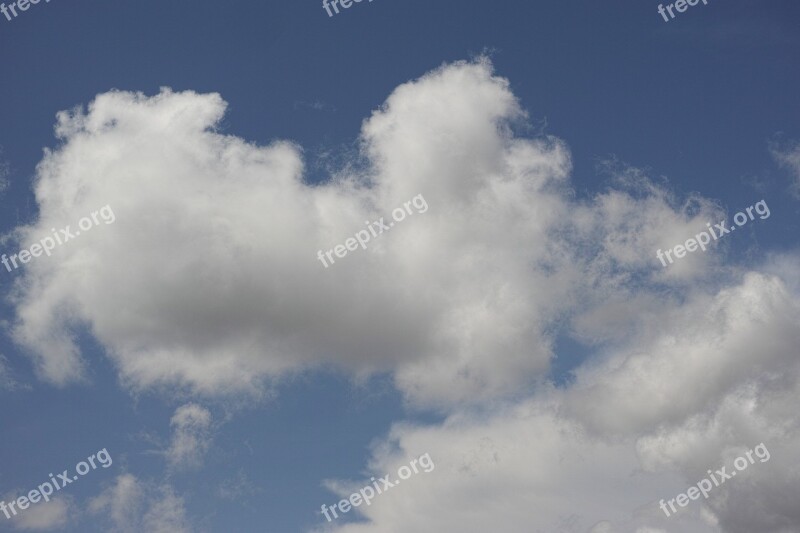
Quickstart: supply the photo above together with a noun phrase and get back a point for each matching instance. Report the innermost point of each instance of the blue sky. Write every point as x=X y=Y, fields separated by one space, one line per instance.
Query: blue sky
x=238 y=387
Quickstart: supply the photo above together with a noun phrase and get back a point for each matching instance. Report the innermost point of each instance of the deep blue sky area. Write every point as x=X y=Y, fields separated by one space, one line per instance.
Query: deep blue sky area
x=696 y=100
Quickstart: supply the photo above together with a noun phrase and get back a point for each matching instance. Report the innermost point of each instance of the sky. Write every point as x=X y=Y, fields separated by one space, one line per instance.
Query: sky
x=258 y=258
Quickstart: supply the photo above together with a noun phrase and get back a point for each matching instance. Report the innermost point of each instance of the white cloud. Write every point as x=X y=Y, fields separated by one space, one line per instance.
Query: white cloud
x=45 y=516
x=197 y=209
x=520 y=470
x=526 y=469
x=191 y=436
x=208 y=280
x=690 y=388
x=132 y=505
x=688 y=355
x=122 y=502
x=471 y=288
x=758 y=499
x=166 y=514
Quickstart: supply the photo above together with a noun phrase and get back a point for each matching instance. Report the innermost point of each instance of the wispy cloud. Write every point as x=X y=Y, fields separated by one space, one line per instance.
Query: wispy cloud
x=131 y=505
x=191 y=426
x=787 y=156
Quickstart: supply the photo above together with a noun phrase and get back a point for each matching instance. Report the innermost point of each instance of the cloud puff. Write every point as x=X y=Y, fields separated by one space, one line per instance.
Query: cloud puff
x=132 y=505
x=191 y=436
x=213 y=248
x=525 y=469
x=209 y=279
x=121 y=502
x=701 y=381
x=619 y=231
x=520 y=470
x=686 y=356
x=52 y=515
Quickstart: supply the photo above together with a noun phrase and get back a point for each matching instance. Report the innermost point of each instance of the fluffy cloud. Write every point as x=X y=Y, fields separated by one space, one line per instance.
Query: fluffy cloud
x=620 y=230
x=208 y=277
x=191 y=436
x=698 y=383
x=49 y=516
x=167 y=514
x=121 y=502
x=132 y=505
x=209 y=280
x=527 y=469
x=520 y=470
x=686 y=356
x=759 y=499
x=213 y=248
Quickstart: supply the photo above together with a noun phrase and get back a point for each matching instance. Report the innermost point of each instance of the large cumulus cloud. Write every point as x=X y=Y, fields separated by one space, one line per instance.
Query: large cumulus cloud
x=706 y=379
x=208 y=279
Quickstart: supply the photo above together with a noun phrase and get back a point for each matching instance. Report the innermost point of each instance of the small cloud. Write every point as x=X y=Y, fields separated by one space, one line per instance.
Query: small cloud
x=191 y=436
x=167 y=513
x=45 y=516
x=132 y=505
x=122 y=502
